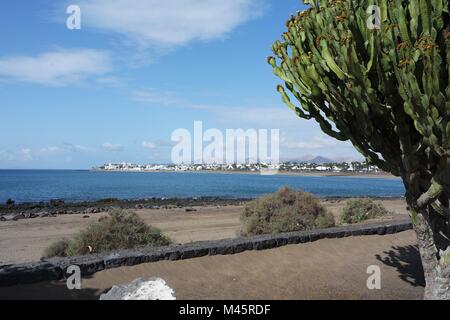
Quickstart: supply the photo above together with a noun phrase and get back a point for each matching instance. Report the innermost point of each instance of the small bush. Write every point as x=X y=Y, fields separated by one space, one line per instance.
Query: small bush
x=56 y=203
x=118 y=231
x=10 y=202
x=284 y=211
x=57 y=249
x=359 y=210
x=108 y=201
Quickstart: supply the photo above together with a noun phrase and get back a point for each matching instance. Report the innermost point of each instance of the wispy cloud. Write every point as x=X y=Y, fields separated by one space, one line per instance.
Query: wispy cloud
x=55 y=68
x=76 y=147
x=251 y=115
x=254 y=116
x=22 y=154
x=64 y=148
x=163 y=99
x=50 y=150
x=148 y=145
x=110 y=81
x=113 y=147
x=314 y=143
x=26 y=154
x=168 y=23
x=6 y=156
x=298 y=137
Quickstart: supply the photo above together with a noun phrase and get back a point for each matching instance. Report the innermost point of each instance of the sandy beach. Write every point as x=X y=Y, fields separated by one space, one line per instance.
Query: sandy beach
x=25 y=240
x=326 y=269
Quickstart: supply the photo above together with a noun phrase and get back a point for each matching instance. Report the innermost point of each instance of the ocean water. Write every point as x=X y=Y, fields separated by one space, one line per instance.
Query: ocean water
x=45 y=185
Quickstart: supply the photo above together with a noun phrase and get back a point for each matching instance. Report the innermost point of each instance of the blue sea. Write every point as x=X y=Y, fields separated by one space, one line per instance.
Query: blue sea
x=45 y=185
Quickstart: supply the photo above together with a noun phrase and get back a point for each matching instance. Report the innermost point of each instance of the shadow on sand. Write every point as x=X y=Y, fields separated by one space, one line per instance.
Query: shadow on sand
x=407 y=262
x=55 y=290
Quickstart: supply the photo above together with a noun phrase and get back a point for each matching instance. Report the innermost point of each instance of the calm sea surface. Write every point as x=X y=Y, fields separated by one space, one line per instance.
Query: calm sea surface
x=44 y=185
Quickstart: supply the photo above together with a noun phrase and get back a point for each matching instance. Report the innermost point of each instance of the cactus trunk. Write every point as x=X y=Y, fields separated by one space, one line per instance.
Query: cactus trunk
x=437 y=278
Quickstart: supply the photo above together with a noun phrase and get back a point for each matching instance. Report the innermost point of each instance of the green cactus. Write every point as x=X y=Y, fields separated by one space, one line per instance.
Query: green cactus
x=387 y=91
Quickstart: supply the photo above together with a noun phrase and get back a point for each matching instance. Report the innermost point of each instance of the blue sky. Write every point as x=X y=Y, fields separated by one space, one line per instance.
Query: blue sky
x=136 y=71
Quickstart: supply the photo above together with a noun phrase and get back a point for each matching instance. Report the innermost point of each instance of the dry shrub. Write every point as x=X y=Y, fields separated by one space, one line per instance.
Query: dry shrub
x=118 y=231
x=359 y=210
x=284 y=211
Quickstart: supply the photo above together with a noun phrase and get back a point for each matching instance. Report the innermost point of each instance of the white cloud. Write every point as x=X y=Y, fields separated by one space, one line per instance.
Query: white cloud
x=22 y=154
x=26 y=154
x=61 y=150
x=114 y=147
x=49 y=150
x=148 y=145
x=314 y=143
x=76 y=148
x=6 y=156
x=168 y=23
x=56 y=68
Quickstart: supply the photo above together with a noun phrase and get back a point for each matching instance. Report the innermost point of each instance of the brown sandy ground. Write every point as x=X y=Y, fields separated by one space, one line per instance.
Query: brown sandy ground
x=25 y=240
x=326 y=269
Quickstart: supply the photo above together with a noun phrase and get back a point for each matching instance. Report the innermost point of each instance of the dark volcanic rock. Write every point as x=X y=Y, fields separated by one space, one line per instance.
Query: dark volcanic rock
x=59 y=207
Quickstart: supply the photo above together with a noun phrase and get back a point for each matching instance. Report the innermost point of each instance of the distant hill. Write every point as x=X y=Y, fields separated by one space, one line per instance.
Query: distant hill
x=311 y=159
x=321 y=160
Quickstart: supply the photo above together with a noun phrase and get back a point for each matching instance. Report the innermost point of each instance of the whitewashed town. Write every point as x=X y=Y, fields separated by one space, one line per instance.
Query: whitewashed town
x=332 y=167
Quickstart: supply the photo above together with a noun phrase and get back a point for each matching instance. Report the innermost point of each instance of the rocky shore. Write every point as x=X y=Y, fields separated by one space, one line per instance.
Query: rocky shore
x=16 y=212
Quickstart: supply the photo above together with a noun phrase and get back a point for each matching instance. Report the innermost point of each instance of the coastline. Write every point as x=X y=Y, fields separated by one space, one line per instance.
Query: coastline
x=317 y=174
x=29 y=210
x=68 y=188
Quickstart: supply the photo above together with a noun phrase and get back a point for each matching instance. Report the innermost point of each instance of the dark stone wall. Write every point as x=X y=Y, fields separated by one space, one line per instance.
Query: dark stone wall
x=55 y=268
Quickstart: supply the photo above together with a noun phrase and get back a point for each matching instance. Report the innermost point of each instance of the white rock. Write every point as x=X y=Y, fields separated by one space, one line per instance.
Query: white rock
x=139 y=289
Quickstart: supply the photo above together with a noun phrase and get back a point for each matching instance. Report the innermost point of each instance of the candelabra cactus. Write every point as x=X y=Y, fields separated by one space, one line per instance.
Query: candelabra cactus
x=384 y=87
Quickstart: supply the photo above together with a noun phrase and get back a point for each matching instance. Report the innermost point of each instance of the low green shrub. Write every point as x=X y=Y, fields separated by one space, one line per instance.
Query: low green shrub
x=284 y=211
x=359 y=210
x=10 y=202
x=57 y=249
x=118 y=231
x=108 y=201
